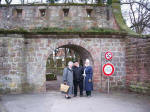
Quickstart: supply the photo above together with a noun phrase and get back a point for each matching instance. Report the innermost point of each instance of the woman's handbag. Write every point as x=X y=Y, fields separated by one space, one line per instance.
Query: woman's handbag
x=64 y=88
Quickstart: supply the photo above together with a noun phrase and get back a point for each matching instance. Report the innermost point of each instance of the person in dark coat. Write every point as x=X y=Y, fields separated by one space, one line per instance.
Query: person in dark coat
x=88 y=75
x=78 y=78
x=68 y=79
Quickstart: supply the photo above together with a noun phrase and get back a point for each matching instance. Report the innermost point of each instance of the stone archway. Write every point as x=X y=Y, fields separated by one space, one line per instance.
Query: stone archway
x=52 y=84
x=84 y=50
x=84 y=54
x=39 y=49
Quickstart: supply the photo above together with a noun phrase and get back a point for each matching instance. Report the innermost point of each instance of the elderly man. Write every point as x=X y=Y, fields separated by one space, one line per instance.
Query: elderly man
x=68 y=79
x=78 y=78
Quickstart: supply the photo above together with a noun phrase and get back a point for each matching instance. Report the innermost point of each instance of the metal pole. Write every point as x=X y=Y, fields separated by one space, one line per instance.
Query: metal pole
x=108 y=84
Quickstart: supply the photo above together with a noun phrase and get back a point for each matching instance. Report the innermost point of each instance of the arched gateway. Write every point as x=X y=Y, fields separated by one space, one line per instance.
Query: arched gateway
x=42 y=48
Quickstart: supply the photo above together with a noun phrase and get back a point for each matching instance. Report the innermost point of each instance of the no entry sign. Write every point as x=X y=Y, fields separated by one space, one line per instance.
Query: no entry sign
x=108 y=55
x=108 y=69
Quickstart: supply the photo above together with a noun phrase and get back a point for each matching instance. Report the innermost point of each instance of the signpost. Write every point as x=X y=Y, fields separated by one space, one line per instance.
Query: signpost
x=108 y=68
x=108 y=55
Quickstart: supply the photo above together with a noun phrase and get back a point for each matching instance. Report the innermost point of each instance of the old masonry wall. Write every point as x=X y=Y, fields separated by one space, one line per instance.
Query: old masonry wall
x=78 y=17
x=23 y=60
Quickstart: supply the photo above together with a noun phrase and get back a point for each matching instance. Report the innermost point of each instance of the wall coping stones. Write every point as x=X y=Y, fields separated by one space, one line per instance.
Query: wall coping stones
x=55 y=4
x=75 y=35
x=62 y=36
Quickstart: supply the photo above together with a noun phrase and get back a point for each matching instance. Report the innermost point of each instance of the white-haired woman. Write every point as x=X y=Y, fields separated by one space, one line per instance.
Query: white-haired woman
x=88 y=74
x=68 y=79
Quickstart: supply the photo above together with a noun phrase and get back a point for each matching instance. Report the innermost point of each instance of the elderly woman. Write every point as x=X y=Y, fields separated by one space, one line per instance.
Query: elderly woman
x=88 y=74
x=68 y=79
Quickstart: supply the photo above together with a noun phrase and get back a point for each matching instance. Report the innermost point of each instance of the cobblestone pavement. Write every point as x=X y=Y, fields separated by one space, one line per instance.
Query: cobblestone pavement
x=55 y=102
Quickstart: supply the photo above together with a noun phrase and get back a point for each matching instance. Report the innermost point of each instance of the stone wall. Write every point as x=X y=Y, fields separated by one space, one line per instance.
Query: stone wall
x=12 y=66
x=117 y=47
x=30 y=17
x=137 y=60
x=23 y=59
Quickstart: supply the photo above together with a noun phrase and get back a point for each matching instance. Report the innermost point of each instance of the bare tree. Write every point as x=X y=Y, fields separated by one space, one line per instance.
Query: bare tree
x=22 y=1
x=8 y=2
x=138 y=15
x=68 y=1
x=51 y=1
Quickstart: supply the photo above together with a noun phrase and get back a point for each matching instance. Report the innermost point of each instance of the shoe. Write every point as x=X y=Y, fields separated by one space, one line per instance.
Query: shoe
x=67 y=97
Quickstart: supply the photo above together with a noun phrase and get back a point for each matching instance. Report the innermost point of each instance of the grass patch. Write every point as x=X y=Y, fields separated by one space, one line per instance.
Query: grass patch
x=50 y=77
x=11 y=31
x=48 y=30
x=76 y=30
x=140 y=87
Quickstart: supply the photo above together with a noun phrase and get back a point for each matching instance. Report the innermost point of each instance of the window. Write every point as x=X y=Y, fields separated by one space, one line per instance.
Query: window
x=43 y=12
x=19 y=13
x=89 y=11
x=66 y=12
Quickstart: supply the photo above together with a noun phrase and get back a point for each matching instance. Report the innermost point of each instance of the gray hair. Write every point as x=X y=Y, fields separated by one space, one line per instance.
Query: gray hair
x=87 y=61
x=70 y=63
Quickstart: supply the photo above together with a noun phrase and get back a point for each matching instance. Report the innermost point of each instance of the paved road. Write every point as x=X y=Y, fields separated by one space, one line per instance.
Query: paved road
x=55 y=102
x=54 y=85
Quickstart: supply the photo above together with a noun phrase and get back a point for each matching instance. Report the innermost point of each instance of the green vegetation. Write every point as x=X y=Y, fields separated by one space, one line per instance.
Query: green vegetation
x=109 y=2
x=50 y=63
x=59 y=62
x=5 y=91
x=99 y=30
x=115 y=1
x=62 y=31
x=50 y=77
x=11 y=31
x=140 y=87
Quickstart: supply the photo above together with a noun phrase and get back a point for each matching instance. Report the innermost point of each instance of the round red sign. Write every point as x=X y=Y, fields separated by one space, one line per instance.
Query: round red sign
x=108 y=55
x=108 y=69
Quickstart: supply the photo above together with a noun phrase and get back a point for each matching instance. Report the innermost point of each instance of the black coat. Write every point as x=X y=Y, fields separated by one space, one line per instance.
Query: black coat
x=77 y=73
